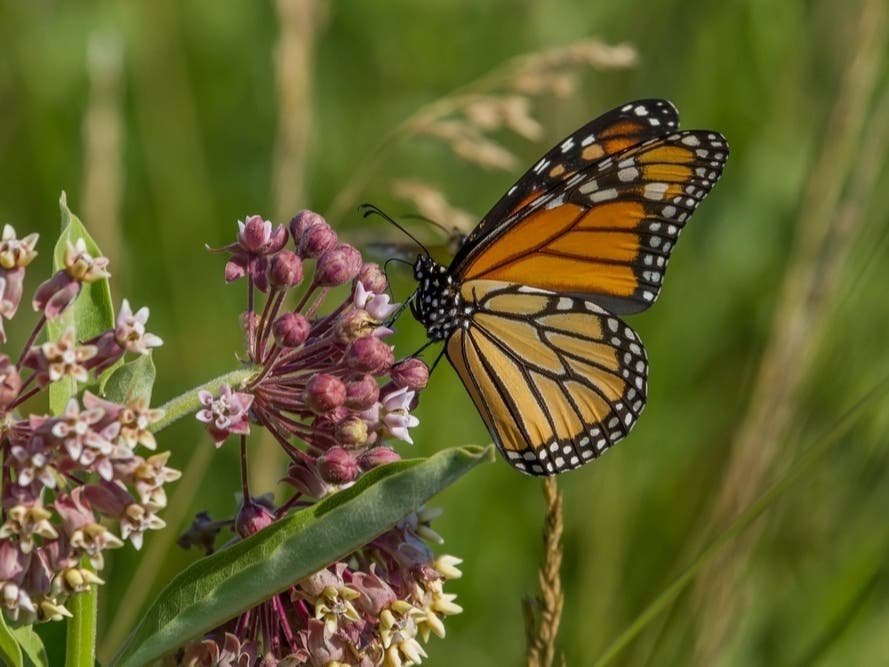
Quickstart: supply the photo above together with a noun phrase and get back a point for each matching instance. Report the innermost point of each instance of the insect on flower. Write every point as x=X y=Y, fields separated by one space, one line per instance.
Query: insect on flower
x=528 y=309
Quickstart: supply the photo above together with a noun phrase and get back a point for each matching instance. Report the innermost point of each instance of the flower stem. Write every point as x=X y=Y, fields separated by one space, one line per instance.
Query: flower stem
x=80 y=636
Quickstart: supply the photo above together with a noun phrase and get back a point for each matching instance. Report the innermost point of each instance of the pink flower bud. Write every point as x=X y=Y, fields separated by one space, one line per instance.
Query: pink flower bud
x=372 y=278
x=303 y=476
x=376 y=457
x=337 y=265
x=351 y=431
x=412 y=373
x=255 y=233
x=106 y=497
x=338 y=466
x=257 y=237
x=235 y=268
x=316 y=239
x=56 y=294
x=285 y=269
x=251 y=518
x=291 y=330
x=10 y=382
x=362 y=391
x=301 y=222
x=324 y=393
x=369 y=354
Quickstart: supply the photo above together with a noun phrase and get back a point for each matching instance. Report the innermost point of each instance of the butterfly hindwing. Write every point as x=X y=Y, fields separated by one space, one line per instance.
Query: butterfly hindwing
x=608 y=231
x=556 y=379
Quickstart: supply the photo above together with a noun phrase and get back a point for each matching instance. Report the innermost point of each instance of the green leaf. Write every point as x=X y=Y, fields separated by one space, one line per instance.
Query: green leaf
x=90 y=314
x=219 y=587
x=10 y=651
x=29 y=642
x=130 y=381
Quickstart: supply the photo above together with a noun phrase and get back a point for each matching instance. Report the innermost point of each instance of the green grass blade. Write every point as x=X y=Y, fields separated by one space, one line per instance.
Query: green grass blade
x=668 y=595
x=219 y=587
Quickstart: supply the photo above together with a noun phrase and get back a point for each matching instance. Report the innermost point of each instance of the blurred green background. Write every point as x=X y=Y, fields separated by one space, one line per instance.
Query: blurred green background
x=167 y=121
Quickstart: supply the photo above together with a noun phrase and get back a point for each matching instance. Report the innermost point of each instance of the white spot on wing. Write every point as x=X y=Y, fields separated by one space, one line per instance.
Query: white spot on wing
x=603 y=195
x=588 y=187
x=628 y=174
x=654 y=191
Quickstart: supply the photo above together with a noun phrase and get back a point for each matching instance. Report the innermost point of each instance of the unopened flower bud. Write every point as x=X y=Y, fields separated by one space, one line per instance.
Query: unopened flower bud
x=285 y=269
x=291 y=330
x=337 y=265
x=316 y=239
x=252 y=517
x=376 y=457
x=301 y=222
x=10 y=382
x=351 y=431
x=362 y=391
x=338 y=466
x=56 y=294
x=369 y=354
x=412 y=373
x=254 y=233
x=372 y=278
x=324 y=393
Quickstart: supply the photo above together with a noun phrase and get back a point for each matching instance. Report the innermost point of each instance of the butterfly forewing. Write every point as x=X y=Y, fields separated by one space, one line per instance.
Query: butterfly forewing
x=557 y=379
x=607 y=232
x=610 y=133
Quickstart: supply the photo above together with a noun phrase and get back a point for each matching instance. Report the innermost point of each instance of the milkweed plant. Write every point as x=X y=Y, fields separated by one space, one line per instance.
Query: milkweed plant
x=343 y=571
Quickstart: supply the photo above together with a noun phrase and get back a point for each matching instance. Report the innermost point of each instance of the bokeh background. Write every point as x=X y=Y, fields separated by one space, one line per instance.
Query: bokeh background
x=167 y=121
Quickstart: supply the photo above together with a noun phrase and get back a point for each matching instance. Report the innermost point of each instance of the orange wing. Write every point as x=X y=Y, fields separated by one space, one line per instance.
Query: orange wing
x=557 y=380
x=606 y=232
x=609 y=134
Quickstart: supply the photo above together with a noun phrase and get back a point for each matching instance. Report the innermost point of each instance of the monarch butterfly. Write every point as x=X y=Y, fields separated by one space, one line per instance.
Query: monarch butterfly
x=528 y=308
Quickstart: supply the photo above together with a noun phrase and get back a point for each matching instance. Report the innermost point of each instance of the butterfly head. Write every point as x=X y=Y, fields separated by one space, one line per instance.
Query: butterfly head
x=437 y=302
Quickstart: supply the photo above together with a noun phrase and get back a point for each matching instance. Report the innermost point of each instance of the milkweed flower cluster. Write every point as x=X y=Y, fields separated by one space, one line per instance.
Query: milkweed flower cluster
x=66 y=475
x=329 y=389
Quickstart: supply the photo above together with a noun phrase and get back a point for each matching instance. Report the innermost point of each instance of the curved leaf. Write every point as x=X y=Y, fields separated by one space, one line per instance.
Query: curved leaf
x=10 y=651
x=219 y=587
x=130 y=381
x=34 y=652
x=92 y=312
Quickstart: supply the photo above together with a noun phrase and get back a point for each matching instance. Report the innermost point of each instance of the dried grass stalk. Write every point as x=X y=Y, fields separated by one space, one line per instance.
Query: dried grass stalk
x=103 y=145
x=500 y=101
x=544 y=614
x=299 y=21
x=432 y=204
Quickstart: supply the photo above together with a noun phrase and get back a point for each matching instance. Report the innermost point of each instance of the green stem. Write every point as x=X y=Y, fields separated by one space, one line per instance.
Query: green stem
x=188 y=402
x=813 y=453
x=80 y=637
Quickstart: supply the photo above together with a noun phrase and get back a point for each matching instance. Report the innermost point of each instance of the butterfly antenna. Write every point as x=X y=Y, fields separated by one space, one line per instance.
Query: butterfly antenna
x=369 y=209
x=430 y=221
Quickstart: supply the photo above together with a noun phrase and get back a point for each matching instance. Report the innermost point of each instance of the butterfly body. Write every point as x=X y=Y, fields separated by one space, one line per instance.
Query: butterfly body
x=528 y=309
